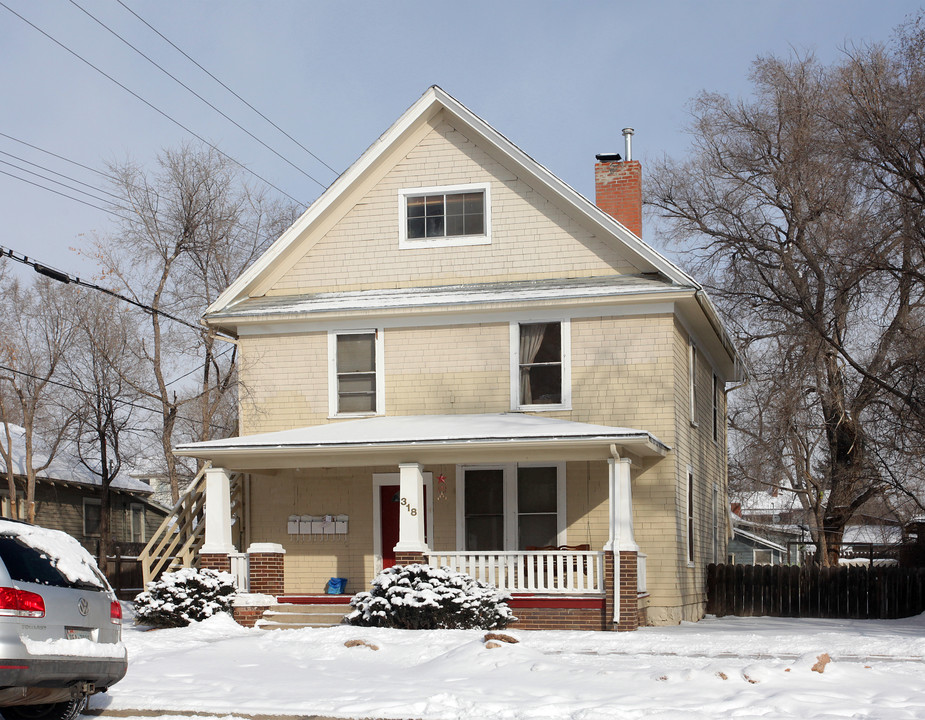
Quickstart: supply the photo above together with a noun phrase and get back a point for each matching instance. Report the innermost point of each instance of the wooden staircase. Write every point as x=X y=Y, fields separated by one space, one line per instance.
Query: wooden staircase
x=176 y=543
x=290 y=616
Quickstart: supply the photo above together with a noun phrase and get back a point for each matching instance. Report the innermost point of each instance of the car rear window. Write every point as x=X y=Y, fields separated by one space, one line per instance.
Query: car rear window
x=26 y=564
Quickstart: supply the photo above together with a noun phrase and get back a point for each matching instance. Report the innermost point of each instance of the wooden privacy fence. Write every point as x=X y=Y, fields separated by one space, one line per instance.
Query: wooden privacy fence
x=817 y=592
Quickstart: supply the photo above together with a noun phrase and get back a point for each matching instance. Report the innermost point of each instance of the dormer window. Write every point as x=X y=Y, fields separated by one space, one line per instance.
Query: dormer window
x=444 y=216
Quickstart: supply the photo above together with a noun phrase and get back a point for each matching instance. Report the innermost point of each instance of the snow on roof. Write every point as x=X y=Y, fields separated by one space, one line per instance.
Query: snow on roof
x=765 y=502
x=759 y=540
x=423 y=429
x=65 y=553
x=876 y=534
x=470 y=293
x=65 y=467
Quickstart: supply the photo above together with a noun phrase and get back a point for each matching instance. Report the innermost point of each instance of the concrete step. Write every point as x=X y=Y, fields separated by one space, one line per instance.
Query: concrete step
x=291 y=616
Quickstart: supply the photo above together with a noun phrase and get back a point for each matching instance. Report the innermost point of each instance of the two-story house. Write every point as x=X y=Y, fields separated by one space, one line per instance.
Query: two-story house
x=453 y=357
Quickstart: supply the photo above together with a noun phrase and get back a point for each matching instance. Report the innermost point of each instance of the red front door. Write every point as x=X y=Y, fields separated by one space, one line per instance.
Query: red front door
x=389 y=505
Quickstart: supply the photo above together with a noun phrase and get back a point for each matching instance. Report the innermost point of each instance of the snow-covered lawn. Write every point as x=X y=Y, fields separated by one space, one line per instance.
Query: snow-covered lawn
x=733 y=667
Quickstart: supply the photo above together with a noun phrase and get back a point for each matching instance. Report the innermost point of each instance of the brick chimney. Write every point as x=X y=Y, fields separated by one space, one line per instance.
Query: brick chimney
x=618 y=186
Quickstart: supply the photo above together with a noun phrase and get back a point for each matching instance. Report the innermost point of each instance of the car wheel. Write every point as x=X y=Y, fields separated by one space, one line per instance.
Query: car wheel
x=67 y=710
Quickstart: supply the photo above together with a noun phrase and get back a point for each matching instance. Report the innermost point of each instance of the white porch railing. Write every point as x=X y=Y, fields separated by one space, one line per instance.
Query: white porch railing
x=547 y=571
x=240 y=571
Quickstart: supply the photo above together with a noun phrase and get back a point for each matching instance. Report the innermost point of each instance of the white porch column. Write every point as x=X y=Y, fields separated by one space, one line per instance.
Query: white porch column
x=620 y=507
x=411 y=511
x=218 y=512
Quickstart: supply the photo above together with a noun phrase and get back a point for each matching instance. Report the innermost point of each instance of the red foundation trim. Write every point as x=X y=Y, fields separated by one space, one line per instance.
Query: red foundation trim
x=545 y=601
x=315 y=599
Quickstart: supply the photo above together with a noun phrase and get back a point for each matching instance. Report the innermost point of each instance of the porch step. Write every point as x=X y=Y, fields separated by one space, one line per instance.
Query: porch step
x=290 y=616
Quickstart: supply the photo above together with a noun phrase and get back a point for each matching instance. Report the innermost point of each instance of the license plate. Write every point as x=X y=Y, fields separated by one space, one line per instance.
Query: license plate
x=78 y=634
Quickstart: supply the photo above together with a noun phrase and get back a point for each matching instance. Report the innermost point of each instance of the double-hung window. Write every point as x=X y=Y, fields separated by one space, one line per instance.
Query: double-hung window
x=444 y=216
x=92 y=515
x=511 y=507
x=137 y=522
x=540 y=367
x=355 y=372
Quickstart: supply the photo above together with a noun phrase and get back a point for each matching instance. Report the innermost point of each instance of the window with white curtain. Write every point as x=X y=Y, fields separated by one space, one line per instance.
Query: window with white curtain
x=540 y=372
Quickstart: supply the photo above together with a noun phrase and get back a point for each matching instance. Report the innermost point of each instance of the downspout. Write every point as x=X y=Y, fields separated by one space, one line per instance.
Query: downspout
x=614 y=453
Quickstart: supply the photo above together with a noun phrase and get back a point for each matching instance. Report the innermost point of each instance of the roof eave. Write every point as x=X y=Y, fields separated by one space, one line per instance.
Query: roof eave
x=255 y=457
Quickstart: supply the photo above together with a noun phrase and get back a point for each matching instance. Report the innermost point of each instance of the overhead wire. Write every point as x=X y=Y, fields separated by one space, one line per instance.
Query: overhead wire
x=57 y=182
x=58 y=192
x=66 y=278
x=130 y=403
x=179 y=50
x=55 y=172
x=196 y=94
x=151 y=105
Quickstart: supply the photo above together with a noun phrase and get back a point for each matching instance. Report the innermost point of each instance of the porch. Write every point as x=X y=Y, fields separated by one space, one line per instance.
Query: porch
x=441 y=505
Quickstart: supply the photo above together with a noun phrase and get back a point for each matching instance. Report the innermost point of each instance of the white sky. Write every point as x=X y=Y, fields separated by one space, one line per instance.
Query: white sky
x=558 y=79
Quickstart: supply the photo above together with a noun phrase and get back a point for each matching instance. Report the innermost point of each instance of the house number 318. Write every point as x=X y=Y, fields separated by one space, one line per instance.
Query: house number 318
x=412 y=510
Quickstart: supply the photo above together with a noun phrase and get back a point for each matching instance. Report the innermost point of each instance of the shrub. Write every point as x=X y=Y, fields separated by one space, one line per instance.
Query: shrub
x=421 y=597
x=181 y=597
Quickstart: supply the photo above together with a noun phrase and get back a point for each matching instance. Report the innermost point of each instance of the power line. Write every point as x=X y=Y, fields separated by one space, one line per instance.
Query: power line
x=63 y=277
x=56 y=182
x=150 y=105
x=58 y=192
x=55 y=172
x=60 y=157
x=179 y=50
x=133 y=186
x=115 y=399
x=196 y=94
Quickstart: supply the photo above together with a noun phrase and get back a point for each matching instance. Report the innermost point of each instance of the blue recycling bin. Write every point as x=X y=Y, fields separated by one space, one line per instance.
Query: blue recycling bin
x=337 y=586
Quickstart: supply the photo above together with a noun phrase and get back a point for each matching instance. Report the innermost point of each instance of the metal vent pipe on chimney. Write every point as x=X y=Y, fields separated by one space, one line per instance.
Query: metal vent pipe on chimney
x=628 y=137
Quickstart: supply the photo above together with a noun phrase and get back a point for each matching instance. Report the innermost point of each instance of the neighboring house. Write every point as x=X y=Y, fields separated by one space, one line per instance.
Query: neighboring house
x=453 y=357
x=751 y=548
x=67 y=498
x=777 y=518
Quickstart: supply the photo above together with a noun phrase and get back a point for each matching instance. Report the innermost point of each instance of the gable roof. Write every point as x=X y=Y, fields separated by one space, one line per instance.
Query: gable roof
x=65 y=467
x=431 y=102
x=292 y=245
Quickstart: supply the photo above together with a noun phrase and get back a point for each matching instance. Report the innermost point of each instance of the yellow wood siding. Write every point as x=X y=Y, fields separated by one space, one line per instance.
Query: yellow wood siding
x=531 y=237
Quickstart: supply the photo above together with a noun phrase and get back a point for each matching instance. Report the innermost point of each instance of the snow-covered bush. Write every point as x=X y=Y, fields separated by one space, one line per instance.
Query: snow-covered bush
x=421 y=597
x=181 y=597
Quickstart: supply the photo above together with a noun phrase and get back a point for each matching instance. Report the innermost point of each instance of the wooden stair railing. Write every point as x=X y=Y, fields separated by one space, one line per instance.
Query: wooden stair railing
x=179 y=537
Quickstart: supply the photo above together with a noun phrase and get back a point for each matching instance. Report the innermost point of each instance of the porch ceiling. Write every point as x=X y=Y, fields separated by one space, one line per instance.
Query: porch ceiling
x=426 y=439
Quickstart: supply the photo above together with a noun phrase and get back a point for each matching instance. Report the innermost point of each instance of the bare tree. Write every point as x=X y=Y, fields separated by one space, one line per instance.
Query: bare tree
x=36 y=333
x=809 y=236
x=100 y=371
x=194 y=226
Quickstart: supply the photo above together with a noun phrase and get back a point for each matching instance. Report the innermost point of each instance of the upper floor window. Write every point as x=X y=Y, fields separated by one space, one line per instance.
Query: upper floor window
x=355 y=382
x=692 y=379
x=444 y=216
x=540 y=372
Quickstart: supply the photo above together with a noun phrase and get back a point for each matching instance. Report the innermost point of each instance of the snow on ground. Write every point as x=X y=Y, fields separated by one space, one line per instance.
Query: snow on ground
x=730 y=667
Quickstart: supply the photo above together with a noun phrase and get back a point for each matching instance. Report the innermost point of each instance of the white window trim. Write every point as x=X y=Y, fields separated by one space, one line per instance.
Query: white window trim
x=715 y=513
x=690 y=522
x=332 y=373
x=380 y=479
x=83 y=515
x=716 y=407
x=692 y=379
x=565 y=331
x=454 y=241
x=511 y=513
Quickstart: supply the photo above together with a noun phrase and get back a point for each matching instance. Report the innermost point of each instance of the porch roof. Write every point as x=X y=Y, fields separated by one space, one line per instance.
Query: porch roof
x=426 y=438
